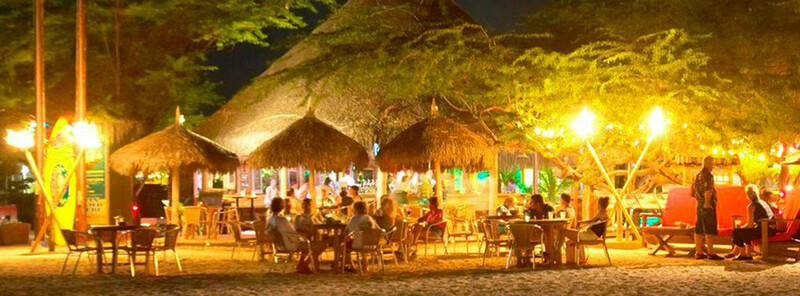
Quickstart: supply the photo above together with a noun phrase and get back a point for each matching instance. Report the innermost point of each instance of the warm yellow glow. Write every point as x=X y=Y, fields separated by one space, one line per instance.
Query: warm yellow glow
x=583 y=126
x=22 y=139
x=762 y=157
x=657 y=122
x=85 y=135
x=527 y=177
x=788 y=187
x=183 y=119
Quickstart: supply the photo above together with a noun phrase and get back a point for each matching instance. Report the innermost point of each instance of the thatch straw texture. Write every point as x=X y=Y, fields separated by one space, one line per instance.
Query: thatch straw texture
x=436 y=138
x=173 y=147
x=311 y=143
x=270 y=104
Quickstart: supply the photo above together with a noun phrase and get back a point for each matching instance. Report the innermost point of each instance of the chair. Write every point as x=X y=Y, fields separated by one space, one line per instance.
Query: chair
x=370 y=245
x=279 y=248
x=263 y=244
x=461 y=225
x=78 y=242
x=413 y=211
x=426 y=238
x=194 y=218
x=239 y=240
x=170 y=243
x=397 y=241
x=390 y=243
x=525 y=238
x=213 y=222
x=492 y=239
x=142 y=243
x=601 y=240
x=784 y=244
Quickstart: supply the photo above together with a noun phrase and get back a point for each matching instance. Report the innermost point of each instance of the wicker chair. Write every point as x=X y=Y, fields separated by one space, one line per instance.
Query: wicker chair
x=370 y=245
x=426 y=238
x=194 y=218
x=525 y=238
x=78 y=242
x=492 y=240
x=142 y=243
x=397 y=241
x=601 y=240
x=170 y=243
x=461 y=226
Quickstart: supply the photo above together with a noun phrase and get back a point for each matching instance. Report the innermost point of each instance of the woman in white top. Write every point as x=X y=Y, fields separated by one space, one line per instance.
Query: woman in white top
x=594 y=228
x=359 y=222
x=292 y=241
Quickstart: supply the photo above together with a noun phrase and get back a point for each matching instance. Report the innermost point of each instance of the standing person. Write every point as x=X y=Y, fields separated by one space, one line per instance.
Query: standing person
x=757 y=210
x=271 y=192
x=706 y=195
x=303 y=191
x=326 y=191
x=425 y=187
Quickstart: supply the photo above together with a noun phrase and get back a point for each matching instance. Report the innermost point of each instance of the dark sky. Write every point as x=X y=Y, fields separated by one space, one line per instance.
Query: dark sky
x=239 y=65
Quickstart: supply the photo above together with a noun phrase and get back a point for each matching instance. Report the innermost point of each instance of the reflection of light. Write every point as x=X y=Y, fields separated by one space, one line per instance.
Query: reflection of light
x=182 y=119
x=762 y=157
x=583 y=125
x=527 y=177
x=21 y=139
x=549 y=133
x=685 y=125
x=788 y=187
x=25 y=170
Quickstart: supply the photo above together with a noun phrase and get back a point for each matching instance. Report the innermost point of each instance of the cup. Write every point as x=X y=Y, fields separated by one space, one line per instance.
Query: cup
x=549 y=215
x=562 y=215
x=527 y=218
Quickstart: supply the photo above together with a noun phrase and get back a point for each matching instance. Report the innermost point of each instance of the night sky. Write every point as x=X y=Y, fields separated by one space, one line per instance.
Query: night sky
x=239 y=65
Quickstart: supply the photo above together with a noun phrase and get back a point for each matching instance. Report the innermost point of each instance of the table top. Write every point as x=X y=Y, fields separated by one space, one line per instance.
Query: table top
x=544 y=221
x=330 y=226
x=114 y=227
x=503 y=217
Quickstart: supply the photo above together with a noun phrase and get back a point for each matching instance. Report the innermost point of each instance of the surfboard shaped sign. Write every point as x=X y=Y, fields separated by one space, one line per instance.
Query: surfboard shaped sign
x=59 y=160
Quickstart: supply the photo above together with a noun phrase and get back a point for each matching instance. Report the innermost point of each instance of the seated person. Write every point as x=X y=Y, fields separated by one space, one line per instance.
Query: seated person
x=345 y=202
x=304 y=223
x=593 y=228
x=389 y=215
x=537 y=209
x=433 y=218
x=359 y=222
x=757 y=210
x=291 y=240
x=505 y=208
x=565 y=206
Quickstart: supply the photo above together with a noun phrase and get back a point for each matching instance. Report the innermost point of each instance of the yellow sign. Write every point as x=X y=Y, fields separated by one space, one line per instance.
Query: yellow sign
x=60 y=159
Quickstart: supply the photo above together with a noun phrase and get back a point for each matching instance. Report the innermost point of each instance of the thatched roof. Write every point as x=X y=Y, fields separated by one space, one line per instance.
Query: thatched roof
x=437 y=138
x=173 y=146
x=270 y=104
x=311 y=143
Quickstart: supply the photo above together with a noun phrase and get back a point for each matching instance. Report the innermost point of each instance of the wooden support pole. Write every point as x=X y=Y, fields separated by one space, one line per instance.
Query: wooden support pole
x=176 y=190
x=493 y=190
x=312 y=189
x=39 y=86
x=80 y=112
x=380 y=185
x=616 y=193
x=206 y=175
x=283 y=182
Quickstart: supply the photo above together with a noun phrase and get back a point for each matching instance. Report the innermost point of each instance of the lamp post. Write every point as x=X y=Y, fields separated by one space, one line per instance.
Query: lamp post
x=584 y=127
x=84 y=135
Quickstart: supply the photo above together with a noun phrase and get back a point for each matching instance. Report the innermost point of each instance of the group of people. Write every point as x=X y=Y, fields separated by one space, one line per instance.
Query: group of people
x=297 y=232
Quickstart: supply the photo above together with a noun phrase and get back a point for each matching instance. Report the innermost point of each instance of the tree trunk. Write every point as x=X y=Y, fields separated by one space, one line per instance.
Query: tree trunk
x=176 y=190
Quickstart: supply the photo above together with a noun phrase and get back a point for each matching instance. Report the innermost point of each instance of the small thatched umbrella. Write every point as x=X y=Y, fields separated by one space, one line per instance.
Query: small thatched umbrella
x=174 y=148
x=438 y=141
x=311 y=143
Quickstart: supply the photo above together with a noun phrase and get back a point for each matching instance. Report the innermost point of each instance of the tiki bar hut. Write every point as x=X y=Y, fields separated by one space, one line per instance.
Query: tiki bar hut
x=311 y=143
x=439 y=142
x=174 y=149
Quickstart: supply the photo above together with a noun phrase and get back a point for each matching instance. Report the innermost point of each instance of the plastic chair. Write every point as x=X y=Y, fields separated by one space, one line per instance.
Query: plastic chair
x=426 y=238
x=279 y=248
x=525 y=238
x=78 y=242
x=240 y=241
x=461 y=225
x=263 y=241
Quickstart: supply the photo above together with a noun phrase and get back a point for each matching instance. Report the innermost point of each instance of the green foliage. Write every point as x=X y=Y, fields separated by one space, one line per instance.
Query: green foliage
x=551 y=186
x=162 y=47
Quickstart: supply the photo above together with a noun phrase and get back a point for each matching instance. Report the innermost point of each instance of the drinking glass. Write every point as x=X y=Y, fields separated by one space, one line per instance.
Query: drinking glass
x=549 y=215
x=562 y=215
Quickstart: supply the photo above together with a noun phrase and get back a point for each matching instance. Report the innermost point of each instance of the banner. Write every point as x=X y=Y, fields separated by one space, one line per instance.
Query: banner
x=96 y=201
x=59 y=160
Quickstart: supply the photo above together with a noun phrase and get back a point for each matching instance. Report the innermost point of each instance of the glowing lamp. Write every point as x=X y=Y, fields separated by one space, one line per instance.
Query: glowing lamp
x=85 y=135
x=135 y=208
x=788 y=188
x=22 y=139
x=583 y=126
x=657 y=122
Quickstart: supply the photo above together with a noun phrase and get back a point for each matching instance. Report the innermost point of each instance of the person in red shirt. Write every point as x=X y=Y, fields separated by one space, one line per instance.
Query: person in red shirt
x=433 y=218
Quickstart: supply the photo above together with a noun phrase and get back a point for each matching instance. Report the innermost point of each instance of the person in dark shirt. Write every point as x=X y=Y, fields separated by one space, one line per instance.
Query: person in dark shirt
x=537 y=209
x=757 y=210
x=706 y=195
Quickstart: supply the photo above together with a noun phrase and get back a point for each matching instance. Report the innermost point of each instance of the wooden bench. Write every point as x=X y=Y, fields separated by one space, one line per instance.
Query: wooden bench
x=784 y=244
x=680 y=215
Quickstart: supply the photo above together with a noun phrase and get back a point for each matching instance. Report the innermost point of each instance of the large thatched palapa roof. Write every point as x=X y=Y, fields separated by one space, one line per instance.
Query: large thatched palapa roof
x=311 y=143
x=437 y=138
x=173 y=147
x=269 y=104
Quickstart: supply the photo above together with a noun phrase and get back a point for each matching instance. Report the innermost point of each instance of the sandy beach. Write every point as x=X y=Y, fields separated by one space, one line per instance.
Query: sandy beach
x=208 y=270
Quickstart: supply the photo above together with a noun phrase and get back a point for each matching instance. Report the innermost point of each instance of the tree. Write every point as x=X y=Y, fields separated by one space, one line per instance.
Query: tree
x=144 y=56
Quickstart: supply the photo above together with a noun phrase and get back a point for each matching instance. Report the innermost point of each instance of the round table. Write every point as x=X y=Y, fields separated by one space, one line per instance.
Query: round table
x=112 y=230
x=338 y=235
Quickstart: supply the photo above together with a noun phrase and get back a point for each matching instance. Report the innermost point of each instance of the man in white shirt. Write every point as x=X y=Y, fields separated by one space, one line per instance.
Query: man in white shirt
x=271 y=192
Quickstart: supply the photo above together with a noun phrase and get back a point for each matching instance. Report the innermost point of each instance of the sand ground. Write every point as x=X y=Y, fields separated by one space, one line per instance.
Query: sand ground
x=209 y=270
